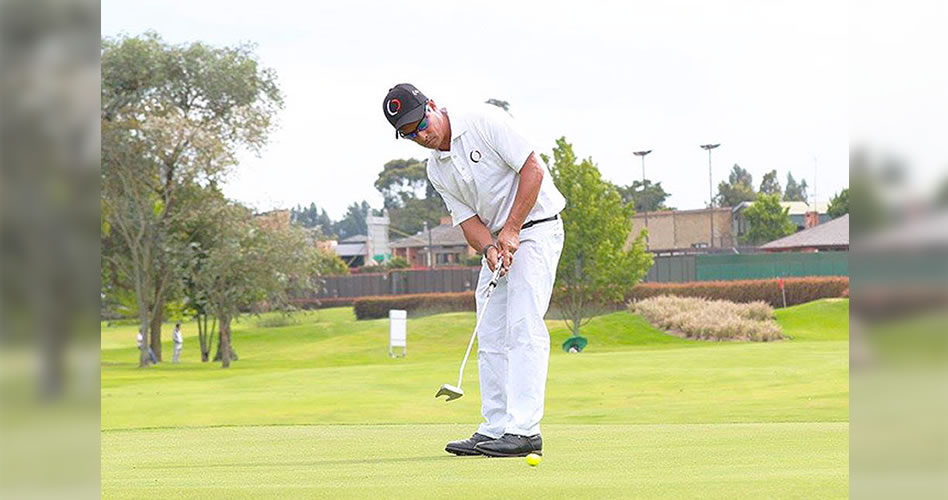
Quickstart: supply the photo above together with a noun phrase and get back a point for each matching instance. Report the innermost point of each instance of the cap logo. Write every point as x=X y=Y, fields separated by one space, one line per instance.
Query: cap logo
x=393 y=106
x=475 y=156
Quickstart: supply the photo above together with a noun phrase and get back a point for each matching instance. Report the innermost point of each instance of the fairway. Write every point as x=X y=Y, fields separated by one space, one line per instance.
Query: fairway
x=317 y=409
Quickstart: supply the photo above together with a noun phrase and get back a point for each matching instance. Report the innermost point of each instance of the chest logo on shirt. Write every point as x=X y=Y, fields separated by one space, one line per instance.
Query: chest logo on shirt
x=475 y=156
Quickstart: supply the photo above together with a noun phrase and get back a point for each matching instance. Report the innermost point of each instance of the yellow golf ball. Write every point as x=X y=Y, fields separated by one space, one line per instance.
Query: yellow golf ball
x=533 y=460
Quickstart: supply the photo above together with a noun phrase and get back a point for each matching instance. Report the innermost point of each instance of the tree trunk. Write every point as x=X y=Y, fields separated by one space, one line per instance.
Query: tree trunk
x=225 y=342
x=203 y=336
x=155 y=330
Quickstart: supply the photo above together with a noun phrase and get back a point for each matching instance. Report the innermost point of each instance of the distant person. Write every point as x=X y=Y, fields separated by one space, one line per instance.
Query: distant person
x=496 y=189
x=141 y=342
x=178 y=342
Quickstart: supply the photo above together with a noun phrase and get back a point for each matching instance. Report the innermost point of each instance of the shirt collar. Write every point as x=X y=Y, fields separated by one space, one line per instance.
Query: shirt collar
x=458 y=128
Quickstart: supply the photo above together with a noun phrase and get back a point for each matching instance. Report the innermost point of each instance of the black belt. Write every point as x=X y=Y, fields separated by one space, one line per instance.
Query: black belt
x=539 y=221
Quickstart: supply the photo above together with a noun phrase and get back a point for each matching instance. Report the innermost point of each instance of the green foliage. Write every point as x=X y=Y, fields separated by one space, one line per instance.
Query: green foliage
x=353 y=223
x=738 y=188
x=770 y=185
x=174 y=118
x=397 y=263
x=839 y=205
x=313 y=218
x=401 y=180
x=329 y=264
x=644 y=195
x=410 y=198
x=595 y=265
x=411 y=217
x=794 y=191
x=767 y=219
x=471 y=260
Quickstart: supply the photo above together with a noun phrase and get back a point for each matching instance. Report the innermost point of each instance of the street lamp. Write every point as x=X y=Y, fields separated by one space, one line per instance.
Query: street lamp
x=642 y=154
x=709 y=147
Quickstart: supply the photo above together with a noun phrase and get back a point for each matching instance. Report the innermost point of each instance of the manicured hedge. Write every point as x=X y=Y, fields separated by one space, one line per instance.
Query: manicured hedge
x=378 y=307
x=799 y=290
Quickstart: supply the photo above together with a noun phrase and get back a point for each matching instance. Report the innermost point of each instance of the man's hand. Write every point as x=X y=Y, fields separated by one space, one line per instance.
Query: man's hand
x=508 y=241
x=493 y=260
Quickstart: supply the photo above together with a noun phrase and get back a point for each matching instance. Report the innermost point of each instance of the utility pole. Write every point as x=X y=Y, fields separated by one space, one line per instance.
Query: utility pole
x=430 y=246
x=709 y=147
x=642 y=154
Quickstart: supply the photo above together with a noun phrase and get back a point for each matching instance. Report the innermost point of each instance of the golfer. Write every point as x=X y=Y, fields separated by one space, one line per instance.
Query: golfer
x=496 y=189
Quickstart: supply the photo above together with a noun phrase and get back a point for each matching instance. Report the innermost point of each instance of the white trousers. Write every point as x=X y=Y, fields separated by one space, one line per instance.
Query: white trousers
x=513 y=344
x=177 y=352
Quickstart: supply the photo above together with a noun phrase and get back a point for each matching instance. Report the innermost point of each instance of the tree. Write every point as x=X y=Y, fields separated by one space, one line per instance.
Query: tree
x=644 y=195
x=172 y=116
x=770 y=185
x=768 y=220
x=504 y=105
x=311 y=217
x=410 y=198
x=738 y=188
x=595 y=268
x=839 y=205
x=794 y=191
x=401 y=180
x=245 y=262
x=353 y=223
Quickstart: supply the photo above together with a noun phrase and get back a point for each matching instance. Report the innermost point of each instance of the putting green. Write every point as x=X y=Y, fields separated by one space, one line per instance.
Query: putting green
x=317 y=409
x=407 y=461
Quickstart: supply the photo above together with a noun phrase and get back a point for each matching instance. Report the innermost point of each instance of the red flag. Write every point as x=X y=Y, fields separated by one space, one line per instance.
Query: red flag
x=781 y=283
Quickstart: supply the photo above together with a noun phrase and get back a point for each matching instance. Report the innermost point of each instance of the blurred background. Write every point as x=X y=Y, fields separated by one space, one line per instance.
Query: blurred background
x=899 y=261
x=49 y=272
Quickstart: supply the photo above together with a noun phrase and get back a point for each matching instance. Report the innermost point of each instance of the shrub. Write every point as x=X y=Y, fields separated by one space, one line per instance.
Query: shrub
x=378 y=307
x=313 y=303
x=798 y=290
x=710 y=319
x=277 y=321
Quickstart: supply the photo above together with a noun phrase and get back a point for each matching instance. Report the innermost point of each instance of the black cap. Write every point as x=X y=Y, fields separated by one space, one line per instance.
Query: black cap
x=404 y=104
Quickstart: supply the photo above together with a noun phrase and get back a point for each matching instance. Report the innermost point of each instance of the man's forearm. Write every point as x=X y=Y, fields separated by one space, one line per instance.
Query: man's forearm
x=531 y=175
x=476 y=233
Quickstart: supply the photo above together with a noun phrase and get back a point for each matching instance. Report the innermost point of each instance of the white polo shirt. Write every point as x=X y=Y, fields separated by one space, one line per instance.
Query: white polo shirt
x=479 y=175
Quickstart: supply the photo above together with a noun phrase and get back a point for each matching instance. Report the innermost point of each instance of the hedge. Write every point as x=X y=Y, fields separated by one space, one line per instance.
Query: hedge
x=799 y=290
x=378 y=307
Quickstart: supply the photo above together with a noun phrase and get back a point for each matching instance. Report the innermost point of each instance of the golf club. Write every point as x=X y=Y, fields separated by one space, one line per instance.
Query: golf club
x=454 y=392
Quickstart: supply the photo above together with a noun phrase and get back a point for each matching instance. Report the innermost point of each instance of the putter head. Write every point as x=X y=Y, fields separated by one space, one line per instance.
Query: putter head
x=450 y=391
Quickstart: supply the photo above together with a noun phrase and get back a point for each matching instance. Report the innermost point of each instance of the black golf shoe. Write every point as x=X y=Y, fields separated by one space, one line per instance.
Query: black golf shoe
x=465 y=447
x=511 y=445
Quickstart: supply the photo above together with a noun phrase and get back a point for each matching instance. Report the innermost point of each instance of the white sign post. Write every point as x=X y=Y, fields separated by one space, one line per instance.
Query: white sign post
x=396 y=331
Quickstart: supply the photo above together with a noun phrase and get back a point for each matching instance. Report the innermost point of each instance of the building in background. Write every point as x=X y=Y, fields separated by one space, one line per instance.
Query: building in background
x=685 y=230
x=447 y=244
x=274 y=219
x=828 y=237
x=802 y=214
x=352 y=250
x=377 y=246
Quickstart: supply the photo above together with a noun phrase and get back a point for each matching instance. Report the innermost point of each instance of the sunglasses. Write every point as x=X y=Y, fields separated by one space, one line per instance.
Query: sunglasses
x=423 y=124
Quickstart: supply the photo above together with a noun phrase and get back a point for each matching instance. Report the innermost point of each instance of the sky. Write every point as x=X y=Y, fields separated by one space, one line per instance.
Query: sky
x=769 y=81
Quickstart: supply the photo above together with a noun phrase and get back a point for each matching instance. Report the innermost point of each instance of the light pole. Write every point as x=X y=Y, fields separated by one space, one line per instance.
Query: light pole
x=642 y=154
x=709 y=147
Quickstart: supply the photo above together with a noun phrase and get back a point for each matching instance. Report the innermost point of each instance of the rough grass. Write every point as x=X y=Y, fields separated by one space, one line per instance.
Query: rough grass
x=710 y=319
